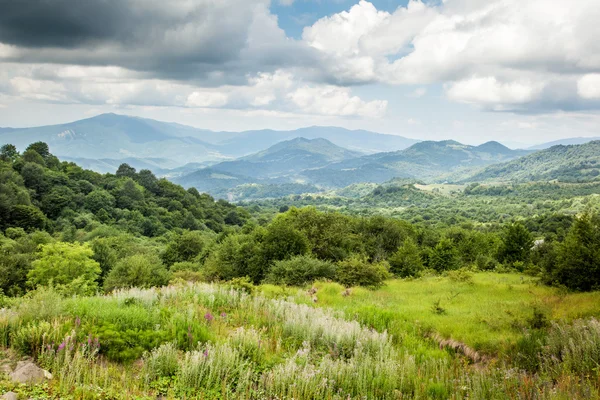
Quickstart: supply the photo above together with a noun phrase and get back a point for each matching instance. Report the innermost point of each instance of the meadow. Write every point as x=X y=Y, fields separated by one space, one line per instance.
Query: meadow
x=481 y=336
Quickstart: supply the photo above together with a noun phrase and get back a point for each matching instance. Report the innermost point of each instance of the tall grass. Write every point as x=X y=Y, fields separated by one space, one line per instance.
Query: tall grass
x=214 y=342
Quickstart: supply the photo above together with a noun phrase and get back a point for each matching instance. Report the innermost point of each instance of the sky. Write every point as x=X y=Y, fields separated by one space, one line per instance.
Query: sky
x=520 y=72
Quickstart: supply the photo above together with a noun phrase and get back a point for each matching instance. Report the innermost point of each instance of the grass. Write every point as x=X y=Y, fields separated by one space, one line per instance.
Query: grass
x=213 y=342
x=487 y=313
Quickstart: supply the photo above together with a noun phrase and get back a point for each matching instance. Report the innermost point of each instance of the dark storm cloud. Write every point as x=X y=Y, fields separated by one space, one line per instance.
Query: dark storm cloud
x=204 y=40
x=63 y=23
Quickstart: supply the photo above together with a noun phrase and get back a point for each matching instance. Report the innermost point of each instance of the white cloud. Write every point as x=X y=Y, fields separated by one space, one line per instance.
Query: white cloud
x=332 y=100
x=588 y=86
x=489 y=91
x=518 y=47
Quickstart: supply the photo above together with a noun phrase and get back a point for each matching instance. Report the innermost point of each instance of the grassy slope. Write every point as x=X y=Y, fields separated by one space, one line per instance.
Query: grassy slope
x=266 y=347
x=489 y=314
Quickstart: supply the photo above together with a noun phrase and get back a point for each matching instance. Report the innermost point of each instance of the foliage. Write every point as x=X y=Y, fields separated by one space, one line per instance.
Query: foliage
x=67 y=266
x=406 y=261
x=356 y=271
x=138 y=270
x=300 y=270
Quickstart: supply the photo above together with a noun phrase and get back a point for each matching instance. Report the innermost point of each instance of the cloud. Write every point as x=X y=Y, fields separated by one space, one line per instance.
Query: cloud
x=504 y=55
x=588 y=86
x=489 y=91
x=213 y=42
x=332 y=100
x=519 y=51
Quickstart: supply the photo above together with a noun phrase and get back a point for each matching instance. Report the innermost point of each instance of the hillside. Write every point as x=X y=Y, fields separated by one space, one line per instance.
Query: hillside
x=424 y=160
x=574 y=163
x=565 y=142
x=116 y=137
x=288 y=157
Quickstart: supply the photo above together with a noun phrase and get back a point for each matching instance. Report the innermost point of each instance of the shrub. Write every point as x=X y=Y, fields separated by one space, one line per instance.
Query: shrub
x=62 y=264
x=356 y=271
x=444 y=256
x=300 y=270
x=138 y=270
x=406 y=261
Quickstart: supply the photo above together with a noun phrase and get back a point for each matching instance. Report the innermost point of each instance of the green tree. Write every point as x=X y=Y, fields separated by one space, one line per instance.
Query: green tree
x=68 y=266
x=578 y=257
x=8 y=153
x=41 y=148
x=138 y=270
x=98 y=200
x=357 y=271
x=444 y=256
x=407 y=260
x=184 y=247
x=516 y=244
x=300 y=270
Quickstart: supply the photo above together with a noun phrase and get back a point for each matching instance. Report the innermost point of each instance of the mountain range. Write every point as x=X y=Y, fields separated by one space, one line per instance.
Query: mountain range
x=113 y=136
x=267 y=163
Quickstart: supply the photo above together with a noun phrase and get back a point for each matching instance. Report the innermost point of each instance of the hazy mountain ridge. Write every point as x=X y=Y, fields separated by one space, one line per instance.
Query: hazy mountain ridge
x=564 y=163
x=114 y=136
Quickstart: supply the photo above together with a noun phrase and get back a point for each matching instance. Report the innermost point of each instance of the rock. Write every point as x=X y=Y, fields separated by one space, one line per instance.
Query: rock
x=27 y=372
x=9 y=396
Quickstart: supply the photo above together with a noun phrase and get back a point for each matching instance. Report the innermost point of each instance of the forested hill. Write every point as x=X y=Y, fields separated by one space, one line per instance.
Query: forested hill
x=38 y=191
x=576 y=163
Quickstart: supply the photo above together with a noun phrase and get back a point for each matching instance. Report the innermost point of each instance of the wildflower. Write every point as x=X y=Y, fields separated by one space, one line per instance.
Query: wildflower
x=223 y=315
x=205 y=353
x=61 y=346
x=77 y=322
x=208 y=317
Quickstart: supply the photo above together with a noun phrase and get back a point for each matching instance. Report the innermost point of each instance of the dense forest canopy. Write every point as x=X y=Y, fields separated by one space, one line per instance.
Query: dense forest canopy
x=81 y=231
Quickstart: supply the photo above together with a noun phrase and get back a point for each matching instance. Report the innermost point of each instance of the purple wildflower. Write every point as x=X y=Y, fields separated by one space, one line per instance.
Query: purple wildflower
x=223 y=315
x=208 y=317
x=61 y=346
x=205 y=352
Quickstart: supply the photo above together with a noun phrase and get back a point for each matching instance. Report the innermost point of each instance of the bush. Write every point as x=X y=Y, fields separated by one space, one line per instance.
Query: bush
x=139 y=270
x=444 y=256
x=406 y=261
x=68 y=266
x=300 y=270
x=356 y=271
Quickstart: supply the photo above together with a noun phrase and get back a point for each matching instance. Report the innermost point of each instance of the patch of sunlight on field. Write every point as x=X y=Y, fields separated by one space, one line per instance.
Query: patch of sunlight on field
x=488 y=314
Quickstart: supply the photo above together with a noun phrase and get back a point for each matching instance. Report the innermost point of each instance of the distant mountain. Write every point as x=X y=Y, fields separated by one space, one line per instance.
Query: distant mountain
x=244 y=143
x=113 y=136
x=288 y=158
x=564 y=142
x=573 y=163
x=424 y=160
x=110 y=165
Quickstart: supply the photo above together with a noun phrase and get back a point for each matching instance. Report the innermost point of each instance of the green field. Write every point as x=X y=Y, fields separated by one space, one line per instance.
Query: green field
x=218 y=342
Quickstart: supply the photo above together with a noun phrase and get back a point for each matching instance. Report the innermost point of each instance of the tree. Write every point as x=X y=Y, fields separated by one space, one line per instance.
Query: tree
x=184 y=247
x=139 y=270
x=357 y=271
x=98 y=200
x=41 y=148
x=444 y=256
x=283 y=242
x=8 y=153
x=406 y=261
x=69 y=266
x=125 y=170
x=578 y=257
x=300 y=270
x=516 y=244
x=27 y=217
